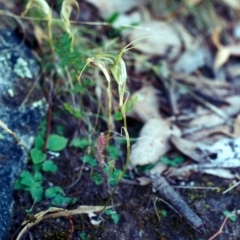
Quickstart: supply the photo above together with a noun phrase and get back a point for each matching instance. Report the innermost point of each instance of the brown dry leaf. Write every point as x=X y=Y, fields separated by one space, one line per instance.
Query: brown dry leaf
x=205 y=121
x=190 y=60
x=217 y=159
x=219 y=172
x=187 y=171
x=66 y=12
x=40 y=34
x=233 y=71
x=191 y=3
x=127 y=20
x=237 y=126
x=205 y=133
x=42 y=4
x=224 y=153
x=210 y=119
x=159 y=168
x=146 y=105
x=143 y=181
x=186 y=38
x=200 y=81
x=221 y=58
x=234 y=50
x=215 y=37
x=234 y=4
x=159 y=38
x=186 y=147
x=153 y=142
x=224 y=52
x=108 y=7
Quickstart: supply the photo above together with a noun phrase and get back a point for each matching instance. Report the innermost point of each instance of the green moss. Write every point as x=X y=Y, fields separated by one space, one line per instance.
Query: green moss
x=57 y=235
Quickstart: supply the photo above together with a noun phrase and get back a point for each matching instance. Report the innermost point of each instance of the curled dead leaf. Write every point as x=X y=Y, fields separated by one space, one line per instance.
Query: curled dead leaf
x=42 y=4
x=234 y=4
x=153 y=142
x=66 y=12
x=237 y=126
x=159 y=168
x=108 y=7
x=146 y=105
x=215 y=37
x=224 y=52
x=143 y=181
x=221 y=58
x=157 y=38
x=187 y=147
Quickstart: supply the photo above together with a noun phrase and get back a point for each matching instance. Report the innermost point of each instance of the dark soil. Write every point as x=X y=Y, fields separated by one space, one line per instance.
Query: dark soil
x=139 y=218
x=135 y=205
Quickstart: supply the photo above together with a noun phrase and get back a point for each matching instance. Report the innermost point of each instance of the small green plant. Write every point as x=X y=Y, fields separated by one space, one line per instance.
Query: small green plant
x=49 y=166
x=175 y=162
x=56 y=194
x=69 y=64
x=113 y=152
x=110 y=173
x=129 y=105
x=113 y=174
x=88 y=158
x=83 y=236
x=71 y=110
x=46 y=10
x=79 y=143
x=145 y=168
x=113 y=214
x=101 y=170
x=163 y=212
x=32 y=184
x=230 y=215
x=55 y=143
x=37 y=156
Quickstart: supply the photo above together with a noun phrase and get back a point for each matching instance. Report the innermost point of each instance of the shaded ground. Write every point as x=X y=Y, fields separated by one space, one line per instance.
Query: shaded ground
x=139 y=217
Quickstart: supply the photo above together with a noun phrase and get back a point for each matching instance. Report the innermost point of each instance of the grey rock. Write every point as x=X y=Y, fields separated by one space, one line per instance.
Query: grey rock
x=19 y=72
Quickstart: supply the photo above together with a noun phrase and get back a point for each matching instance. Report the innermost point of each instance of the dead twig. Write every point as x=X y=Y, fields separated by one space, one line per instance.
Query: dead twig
x=220 y=229
x=161 y=185
x=59 y=212
x=72 y=227
x=237 y=212
x=48 y=96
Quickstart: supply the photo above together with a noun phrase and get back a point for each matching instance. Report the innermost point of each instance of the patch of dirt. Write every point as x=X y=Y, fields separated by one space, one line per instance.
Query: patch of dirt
x=139 y=219
x=143 y=214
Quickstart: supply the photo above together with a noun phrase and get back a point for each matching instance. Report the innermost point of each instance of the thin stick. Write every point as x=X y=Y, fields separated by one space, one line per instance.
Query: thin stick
x=220 y=229
x=161 y=185
x=4 y=126
x=49 y=120
x=60 y=212
x=233 y=186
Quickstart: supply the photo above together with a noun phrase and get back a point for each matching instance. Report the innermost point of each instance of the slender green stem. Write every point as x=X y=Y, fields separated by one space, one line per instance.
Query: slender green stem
x=109 y=110
x=123 y=111
x=50 y=32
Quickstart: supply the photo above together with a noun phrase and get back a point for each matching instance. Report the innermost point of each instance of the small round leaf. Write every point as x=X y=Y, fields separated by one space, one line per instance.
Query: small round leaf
x=56 y=143
x=37 y=193
x=37 y=156
x=49 y=166
x=53 y=191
